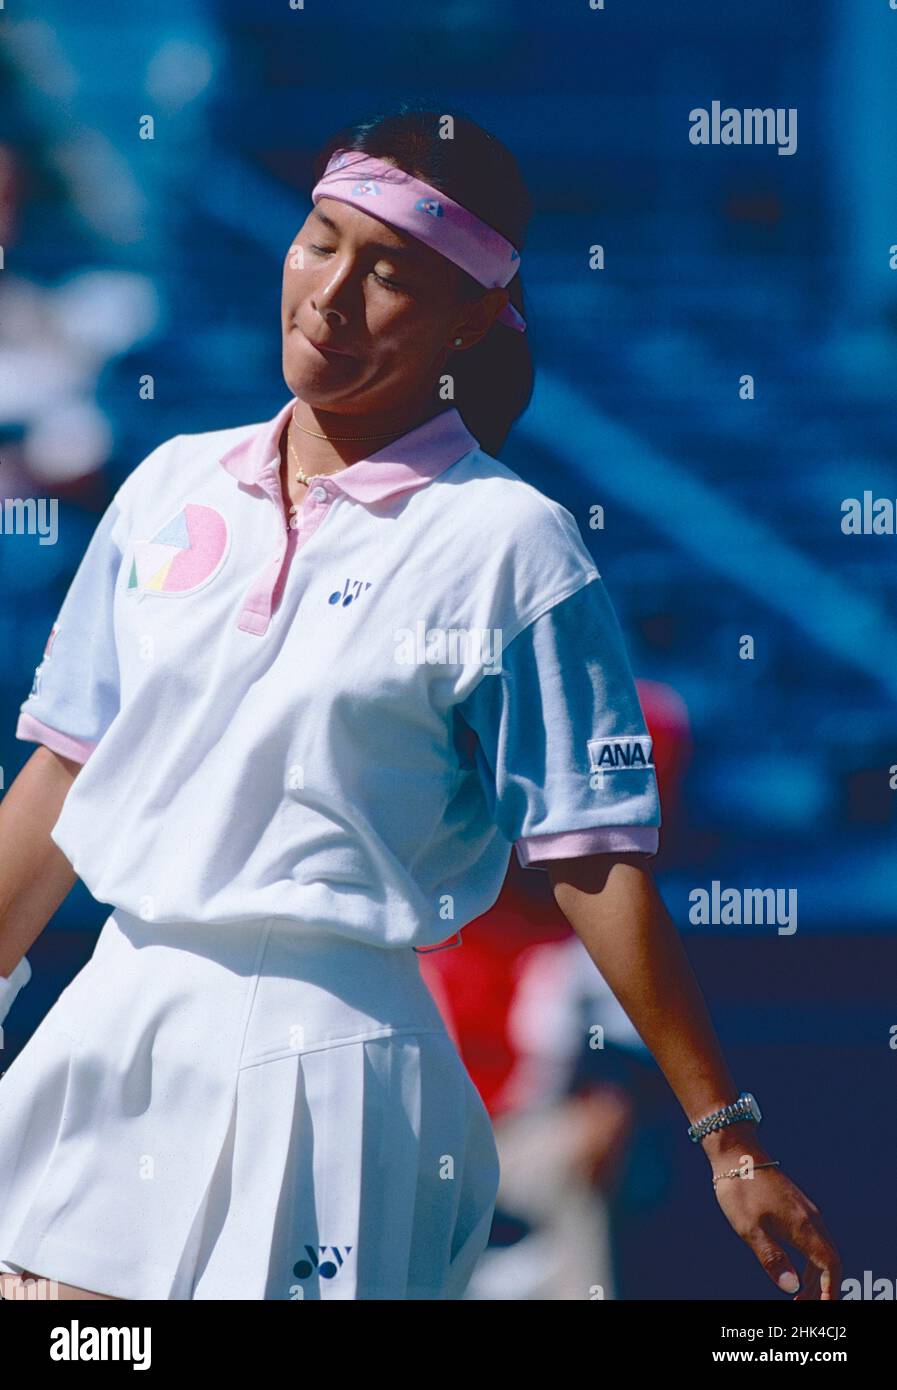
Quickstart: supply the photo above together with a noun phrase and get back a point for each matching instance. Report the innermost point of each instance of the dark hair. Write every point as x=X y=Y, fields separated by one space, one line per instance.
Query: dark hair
x=493 y=380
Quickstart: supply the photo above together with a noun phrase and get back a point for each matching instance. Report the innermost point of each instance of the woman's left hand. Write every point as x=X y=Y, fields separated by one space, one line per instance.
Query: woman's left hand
x=766 y=1208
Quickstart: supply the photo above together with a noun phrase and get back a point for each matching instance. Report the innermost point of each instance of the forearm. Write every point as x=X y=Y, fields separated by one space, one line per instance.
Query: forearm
x=613 y=905
x=35 y=875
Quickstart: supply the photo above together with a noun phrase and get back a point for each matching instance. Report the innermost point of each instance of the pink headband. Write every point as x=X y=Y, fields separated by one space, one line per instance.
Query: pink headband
x=425 y=212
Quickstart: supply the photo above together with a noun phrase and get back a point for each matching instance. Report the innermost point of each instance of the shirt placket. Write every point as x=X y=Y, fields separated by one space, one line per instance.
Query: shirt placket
x=266 y=589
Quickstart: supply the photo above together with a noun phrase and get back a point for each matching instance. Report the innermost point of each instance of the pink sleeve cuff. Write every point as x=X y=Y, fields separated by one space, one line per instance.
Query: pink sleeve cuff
x=78 y=749
x=601 y=839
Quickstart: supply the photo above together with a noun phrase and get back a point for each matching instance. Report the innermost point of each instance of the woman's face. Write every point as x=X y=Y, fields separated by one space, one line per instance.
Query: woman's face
x=383 y=299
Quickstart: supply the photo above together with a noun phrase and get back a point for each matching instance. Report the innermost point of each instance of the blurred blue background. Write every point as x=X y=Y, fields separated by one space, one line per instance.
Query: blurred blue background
x=722 y=516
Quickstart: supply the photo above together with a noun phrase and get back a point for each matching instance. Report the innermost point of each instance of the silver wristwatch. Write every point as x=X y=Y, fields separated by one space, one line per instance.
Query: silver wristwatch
x=744 y=1108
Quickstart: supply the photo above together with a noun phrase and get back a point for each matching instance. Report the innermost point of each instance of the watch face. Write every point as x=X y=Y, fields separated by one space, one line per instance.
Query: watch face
x=755 y=1109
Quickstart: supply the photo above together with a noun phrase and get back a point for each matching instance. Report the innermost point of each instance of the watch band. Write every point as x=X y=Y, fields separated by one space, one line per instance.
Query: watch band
x=744 y=1108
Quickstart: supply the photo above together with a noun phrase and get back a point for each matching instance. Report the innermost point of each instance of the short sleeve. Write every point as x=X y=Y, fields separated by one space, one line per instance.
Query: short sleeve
x=562 y=747
x=75 y=693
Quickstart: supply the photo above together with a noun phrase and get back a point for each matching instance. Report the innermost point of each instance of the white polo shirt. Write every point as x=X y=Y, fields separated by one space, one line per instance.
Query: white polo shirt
x=348 y=722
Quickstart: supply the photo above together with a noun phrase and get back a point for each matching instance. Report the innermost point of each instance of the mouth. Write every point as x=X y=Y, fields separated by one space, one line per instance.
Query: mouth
x=324 y=348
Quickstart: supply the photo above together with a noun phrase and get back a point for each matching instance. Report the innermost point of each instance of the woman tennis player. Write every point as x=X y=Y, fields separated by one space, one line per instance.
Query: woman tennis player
x=313 y=680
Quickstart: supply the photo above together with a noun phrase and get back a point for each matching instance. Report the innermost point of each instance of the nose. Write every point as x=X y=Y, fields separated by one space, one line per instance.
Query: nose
x=327 y=312
x=325 y=298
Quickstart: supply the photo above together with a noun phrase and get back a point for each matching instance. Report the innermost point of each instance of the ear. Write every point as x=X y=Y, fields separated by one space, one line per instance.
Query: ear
x=480 y=317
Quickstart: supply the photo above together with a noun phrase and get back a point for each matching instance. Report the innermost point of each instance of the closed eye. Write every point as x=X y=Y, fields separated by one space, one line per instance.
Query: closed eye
x=389 y=284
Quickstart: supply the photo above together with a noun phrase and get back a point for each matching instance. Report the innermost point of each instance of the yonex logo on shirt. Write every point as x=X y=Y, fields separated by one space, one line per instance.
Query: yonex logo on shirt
x=350 y=590
x=327 y=1268
x=623 y=752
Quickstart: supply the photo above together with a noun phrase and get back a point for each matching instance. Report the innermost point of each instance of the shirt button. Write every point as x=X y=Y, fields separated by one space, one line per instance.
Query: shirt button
x=319 y=494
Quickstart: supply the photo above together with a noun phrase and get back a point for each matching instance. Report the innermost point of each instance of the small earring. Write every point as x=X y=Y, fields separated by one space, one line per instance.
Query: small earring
x=458 y=342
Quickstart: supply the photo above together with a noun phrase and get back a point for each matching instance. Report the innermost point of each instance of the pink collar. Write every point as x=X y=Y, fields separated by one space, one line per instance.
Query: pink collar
x=408 y=462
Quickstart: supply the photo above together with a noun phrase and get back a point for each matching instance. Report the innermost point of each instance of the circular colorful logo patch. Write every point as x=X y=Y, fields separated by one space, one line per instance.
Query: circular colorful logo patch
x=184 y=555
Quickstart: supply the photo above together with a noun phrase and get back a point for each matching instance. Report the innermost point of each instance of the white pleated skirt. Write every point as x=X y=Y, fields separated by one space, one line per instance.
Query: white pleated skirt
x=249 y=1111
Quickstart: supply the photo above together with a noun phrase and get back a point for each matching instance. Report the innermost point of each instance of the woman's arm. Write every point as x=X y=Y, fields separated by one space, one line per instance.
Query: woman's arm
x=35 y=875
x=613 y=905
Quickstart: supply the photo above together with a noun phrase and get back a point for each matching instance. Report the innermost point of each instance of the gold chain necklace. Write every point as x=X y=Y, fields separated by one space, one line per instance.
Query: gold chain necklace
x=342 y=436
x=303 y=477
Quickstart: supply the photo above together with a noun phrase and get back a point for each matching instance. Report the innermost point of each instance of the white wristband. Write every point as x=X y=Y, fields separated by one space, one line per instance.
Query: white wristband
x=11 y=984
